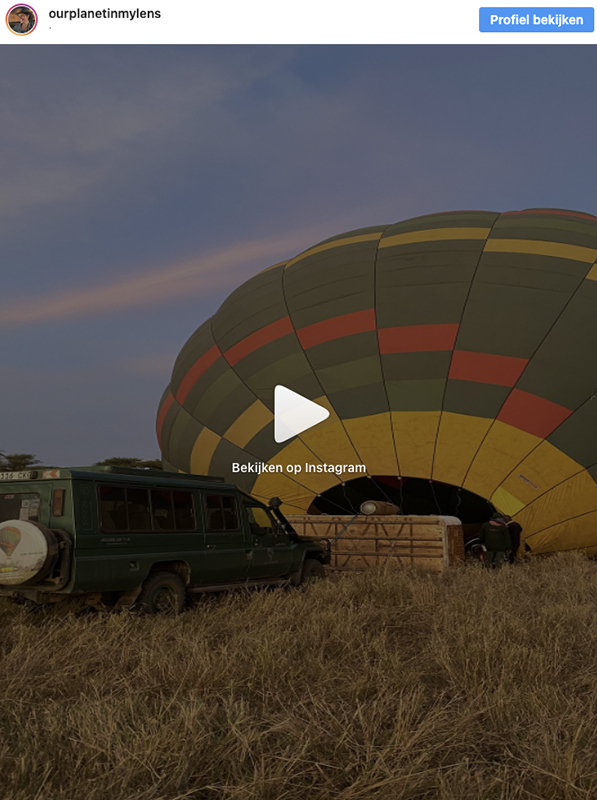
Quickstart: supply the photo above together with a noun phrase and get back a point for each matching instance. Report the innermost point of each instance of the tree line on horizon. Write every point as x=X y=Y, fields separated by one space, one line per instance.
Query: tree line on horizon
x=17 y=462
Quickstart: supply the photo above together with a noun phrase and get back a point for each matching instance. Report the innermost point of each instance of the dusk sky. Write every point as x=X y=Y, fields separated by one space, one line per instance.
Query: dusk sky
x=140 y=185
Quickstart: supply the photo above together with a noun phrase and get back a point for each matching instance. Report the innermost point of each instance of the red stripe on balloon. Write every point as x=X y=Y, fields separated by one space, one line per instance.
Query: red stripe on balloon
x=337 y=327
x=486 y=368
x=196 y=371
x=532 y=414
x=551 y=211
x=166 y=405
x=271 y=332
x=417 y=338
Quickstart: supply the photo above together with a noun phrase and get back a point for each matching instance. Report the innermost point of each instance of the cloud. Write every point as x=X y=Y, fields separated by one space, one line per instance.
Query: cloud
x=96 y=121
x=215 y=271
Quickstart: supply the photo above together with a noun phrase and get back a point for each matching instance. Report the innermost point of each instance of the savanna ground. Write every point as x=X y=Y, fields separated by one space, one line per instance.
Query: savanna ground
x=389 y=684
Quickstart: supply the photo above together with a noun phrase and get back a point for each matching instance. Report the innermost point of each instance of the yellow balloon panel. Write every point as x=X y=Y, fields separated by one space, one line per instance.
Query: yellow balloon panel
x=276 y=484
x=296 y=454
x=543 y=468
x=329 y=439
x=203 y=450
x=574 y=534
x=288 y=507
x=414 y=435
x=506 y=503
x=458 y=439
x=373 y=440
x=577 y=495
x=248 y=424
x=501 y=451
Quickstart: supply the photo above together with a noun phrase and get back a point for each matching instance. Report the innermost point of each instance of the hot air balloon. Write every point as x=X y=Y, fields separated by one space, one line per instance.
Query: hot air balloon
x=9 y=539
x=456 y=354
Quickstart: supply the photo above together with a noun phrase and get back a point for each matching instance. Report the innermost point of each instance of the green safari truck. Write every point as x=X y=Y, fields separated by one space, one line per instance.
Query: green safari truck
x=143 y=538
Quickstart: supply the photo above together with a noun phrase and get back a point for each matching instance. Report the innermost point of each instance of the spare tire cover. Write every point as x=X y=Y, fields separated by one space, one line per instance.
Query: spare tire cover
x=28 y=552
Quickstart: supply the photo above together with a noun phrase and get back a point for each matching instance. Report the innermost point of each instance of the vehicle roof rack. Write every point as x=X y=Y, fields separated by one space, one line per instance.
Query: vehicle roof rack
x=152 y=473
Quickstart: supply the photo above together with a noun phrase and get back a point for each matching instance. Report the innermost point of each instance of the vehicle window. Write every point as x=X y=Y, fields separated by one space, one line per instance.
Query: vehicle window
x=162 y=513
x=183 y=511
x=138 y=509
x=19 y=506
x=259 y=520
x=112 y=509
x=145 y=510
x=221 y=513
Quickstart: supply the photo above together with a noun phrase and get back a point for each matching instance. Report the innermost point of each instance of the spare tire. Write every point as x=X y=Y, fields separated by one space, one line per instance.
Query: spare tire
x=28 y=552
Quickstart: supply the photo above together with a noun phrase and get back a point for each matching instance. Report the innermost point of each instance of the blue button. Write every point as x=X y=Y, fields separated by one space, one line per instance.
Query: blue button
x=537 y=20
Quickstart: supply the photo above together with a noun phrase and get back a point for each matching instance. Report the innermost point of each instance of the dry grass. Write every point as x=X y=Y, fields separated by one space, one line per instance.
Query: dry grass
x=388 y=684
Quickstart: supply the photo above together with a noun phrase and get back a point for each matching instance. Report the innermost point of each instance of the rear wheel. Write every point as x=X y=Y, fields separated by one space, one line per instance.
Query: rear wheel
x=162 y=593
x=313 y=570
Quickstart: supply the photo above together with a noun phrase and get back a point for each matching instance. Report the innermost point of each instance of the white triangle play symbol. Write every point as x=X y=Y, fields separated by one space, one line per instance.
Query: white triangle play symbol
x=294 y=414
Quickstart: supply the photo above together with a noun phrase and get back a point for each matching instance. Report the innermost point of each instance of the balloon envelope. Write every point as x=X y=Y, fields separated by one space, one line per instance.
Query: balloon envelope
x=457 y=347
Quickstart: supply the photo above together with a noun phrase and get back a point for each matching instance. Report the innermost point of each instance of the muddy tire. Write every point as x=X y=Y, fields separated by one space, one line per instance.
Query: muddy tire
x=313 y=570
x=162 y=593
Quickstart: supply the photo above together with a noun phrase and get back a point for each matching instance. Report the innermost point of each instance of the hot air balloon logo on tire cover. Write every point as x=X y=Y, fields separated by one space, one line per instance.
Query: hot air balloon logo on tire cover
x=459 y=348
x=9 y=539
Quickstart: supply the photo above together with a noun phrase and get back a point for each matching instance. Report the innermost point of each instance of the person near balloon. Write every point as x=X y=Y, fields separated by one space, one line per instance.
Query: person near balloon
x=515 y=529
x=495 y=538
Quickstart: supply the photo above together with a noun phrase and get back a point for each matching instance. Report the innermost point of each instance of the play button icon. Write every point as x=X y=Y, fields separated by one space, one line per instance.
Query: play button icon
x=294 y=414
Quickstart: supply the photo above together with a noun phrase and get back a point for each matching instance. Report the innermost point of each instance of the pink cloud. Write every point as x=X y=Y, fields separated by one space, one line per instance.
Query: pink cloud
x=215 y=271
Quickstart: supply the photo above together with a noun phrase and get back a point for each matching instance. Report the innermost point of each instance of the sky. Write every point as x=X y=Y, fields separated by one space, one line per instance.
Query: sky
x=140 y=185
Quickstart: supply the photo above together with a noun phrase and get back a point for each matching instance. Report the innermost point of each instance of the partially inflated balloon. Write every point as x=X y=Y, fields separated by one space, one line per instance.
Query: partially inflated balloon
x=458 y=347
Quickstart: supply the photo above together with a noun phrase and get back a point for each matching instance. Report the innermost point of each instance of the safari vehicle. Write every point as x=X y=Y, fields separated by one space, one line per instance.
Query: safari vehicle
x=124 y=537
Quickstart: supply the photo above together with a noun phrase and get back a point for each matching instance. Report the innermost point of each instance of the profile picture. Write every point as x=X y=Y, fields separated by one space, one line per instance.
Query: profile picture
x=21 y=20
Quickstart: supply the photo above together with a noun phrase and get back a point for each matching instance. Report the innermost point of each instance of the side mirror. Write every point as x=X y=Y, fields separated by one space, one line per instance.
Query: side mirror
x=256 y=529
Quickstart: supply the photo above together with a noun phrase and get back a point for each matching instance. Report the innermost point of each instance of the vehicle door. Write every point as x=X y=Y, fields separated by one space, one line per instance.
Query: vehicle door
x=269 y=548
x=132 y=528
x=225 y=544
x=27 y=501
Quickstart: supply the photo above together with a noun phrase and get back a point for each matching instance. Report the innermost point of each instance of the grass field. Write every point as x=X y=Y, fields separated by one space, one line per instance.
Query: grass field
x=388 y=684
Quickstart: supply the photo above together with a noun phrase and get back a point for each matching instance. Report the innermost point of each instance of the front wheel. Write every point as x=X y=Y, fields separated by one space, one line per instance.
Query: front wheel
x=313 y=570
x=162 y=593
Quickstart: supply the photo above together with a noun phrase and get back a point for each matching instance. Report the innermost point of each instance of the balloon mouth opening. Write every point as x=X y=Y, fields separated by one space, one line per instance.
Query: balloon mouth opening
x=411 y=495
